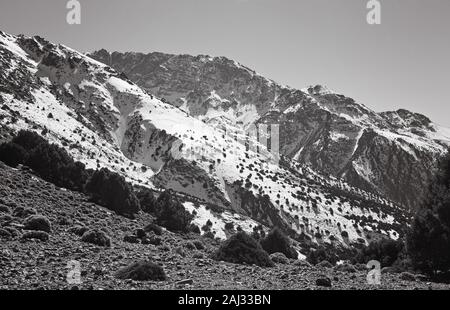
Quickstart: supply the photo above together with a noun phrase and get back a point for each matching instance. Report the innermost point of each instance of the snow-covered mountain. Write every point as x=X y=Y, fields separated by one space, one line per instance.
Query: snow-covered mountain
x=105 y=120
x=392 y=154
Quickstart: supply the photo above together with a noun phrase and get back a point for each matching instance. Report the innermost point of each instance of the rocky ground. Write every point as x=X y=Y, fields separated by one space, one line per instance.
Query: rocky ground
x=30 y=263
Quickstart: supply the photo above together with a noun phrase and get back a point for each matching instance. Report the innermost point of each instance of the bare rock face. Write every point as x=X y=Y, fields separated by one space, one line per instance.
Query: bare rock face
x=390 y=153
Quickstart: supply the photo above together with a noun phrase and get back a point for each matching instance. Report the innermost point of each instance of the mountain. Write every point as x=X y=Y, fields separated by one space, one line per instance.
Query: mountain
x=103 y=119
x=392 y=154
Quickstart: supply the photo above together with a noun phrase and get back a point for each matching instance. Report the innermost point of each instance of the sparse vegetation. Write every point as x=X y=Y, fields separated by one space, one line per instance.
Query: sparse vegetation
x=241 y=248
x=171 y=214
x=142 y=271
x=112 y=191
x=276 y=241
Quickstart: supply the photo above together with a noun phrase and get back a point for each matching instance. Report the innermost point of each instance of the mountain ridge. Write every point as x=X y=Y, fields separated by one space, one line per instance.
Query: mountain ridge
x=103 y=119
x=318 y=126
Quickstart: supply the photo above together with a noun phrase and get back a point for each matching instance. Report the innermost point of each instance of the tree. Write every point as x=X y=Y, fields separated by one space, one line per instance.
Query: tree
x=276 y=241
x=428 y=241
x=147 y=200
x=55 y=165
x=171 y=214
x=110 y=189
x=242 y=248
x=12 y=154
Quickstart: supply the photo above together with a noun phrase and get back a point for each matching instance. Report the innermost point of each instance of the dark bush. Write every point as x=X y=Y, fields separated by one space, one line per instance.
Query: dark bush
x=142 y=271
x=386 y=251
x=12 y=154
x=154 y=228
x=49 y=161
x=110 y=190
x=96 y=237
x=171 y=214
x=55 y=165
x=28 y=139
x=147 y=200
x=321 y=254
x=37 y=222
x=241 y=248
x=276 y=241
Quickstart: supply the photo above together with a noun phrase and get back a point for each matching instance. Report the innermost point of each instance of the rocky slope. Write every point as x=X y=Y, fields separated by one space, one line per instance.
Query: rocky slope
x=105 y=120
x=391 y=153
x=31 y=263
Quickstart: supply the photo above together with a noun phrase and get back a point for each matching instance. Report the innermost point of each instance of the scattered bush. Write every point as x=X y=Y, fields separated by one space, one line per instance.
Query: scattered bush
x=279 y=258
x=386 y=251
x=110 y=190
x=142 y=271
x=38 y=222
x=345 y=268
x=54 y=165
x=276 y=241
x=321 y=254
x=325 y=264
x=157 y=230
x=147 y=200
x=241 y=248
x=12 y=154
x=171 y=214
x=96 y=237
x=199 y=245
x=324 y=281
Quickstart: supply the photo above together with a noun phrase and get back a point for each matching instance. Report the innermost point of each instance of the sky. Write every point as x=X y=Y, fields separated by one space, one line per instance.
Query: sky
x=401 y=63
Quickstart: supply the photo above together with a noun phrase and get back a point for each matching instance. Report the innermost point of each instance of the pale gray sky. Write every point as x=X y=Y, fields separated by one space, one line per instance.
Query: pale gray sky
x=402 y=63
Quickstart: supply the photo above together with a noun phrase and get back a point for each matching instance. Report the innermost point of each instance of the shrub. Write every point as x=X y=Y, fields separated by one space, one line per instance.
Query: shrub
x=276 y=241
x=241 y=248
x=147 y=200
x=37 y=222
x=28 y=139
x=54 y=165
x=325 y=264
x=171 y=214
x=154 y=228
x=142 y=271
x=199 y=245
x=386 y=251
x=279 y=258
x=96 y=237
x=12 y=154
x=110 y=190
x=345 y=268
x=321 y=254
